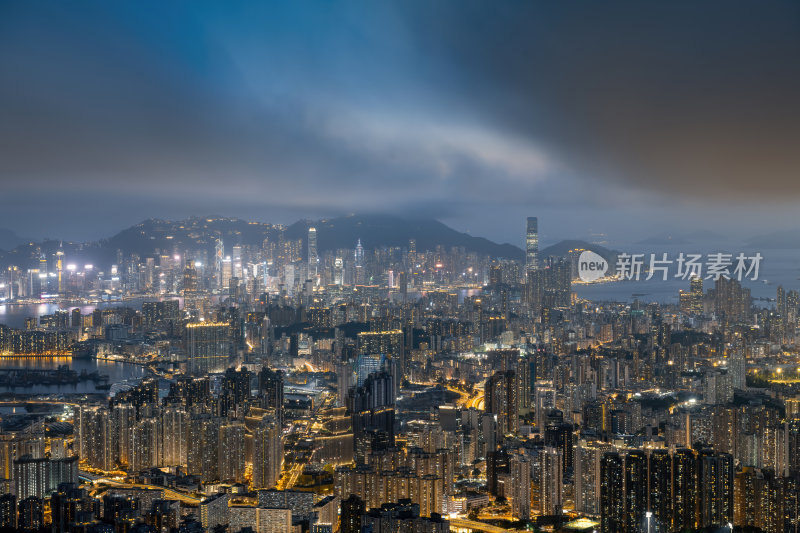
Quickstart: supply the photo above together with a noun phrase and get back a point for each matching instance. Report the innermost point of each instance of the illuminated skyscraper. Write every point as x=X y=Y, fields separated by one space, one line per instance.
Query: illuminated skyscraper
x=270 y=386
x=359 y=263
x=214 y=511
x=612 y=496
x=236 y=259
x=559 y=435
x=696 y=291
x=587 y=475
x=635 y=490
x=313 y=258
x=338 y=271
x=144 y=446
x=267 y=453
x=737 y=368
x=532 y=245
x=96 y=437
x=359 y=253
x=203 y=447
x=123 y=420
x=174 y=421
x=219 y=255
x=660 y=490
x=226 y=273
x=412 y=254
x=231 y=452
x=501 y=398
x=520 y=486
x=684 y=489
x=208 y=347
x=60 y=269
x=41 y=477
x=715 y=485
x=388 y=344
x=551 y=481
x=189 y=281
x=371 y=408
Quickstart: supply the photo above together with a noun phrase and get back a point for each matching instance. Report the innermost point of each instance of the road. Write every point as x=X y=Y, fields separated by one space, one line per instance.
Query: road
x=476 y=400
x=169 y=494
x=476 y=526
x=289 y=477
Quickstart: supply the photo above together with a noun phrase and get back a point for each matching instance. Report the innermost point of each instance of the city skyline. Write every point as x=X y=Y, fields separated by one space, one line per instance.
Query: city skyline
x=409 y=265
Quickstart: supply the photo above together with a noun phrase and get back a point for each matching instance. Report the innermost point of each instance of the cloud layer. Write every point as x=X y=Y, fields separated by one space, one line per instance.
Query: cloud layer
x=435 y=107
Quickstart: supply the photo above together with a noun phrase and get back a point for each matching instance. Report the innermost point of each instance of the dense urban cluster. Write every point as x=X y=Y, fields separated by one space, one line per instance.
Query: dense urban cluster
x=396 y=389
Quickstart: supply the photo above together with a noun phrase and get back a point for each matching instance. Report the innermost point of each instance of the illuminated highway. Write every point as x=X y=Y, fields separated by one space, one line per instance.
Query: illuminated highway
x=170 y=494
x=462 y=524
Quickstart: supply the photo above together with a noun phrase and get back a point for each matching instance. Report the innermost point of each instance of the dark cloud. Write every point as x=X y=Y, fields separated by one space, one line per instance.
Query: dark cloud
x=461 y=110
x=685 y=98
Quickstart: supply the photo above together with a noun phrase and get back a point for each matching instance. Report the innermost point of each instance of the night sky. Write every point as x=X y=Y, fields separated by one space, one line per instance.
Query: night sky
x=629 y=118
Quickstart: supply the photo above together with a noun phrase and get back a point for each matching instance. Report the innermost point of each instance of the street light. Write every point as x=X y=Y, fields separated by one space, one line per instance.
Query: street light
x=649 y=515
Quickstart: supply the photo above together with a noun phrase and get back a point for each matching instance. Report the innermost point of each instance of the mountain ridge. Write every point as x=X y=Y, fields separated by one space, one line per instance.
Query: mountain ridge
x=157 y=235
x=161 y=236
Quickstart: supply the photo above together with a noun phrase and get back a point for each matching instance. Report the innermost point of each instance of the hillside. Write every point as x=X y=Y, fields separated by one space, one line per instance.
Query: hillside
x=158 y=236
x=561 y=249
x=384 y=230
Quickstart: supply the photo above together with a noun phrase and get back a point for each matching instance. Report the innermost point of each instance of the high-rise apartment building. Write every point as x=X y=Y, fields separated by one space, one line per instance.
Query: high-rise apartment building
x=612 y=495
x=267 y=449
x=208 y=347
x=501 y=398
x=231 y=452
x=520 y=466
x=551 y=481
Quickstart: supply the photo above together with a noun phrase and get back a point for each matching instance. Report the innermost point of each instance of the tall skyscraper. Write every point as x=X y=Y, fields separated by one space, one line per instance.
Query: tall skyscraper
x=660 y=490
x=219 y=255
x=635 y=490
x=520 y=466
x=270 y=387
x=587 y=475
x=532 y=245
x=696 y=291
x=371 y=407
x=267 y=453
x=715 y=485
x=684 y=489
x=231 y=452
x=501 y=398
x=60 y=268
x=189 y=281
x=203 y=447
x=551 y=481
x=737 y=368
x=559 y=435
x=174 y=421
x=359 y=263
x=338 y=271
x=612 y=496
x=313 y=258
x=145 y=444
x=208 y=347
x=388 y=344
